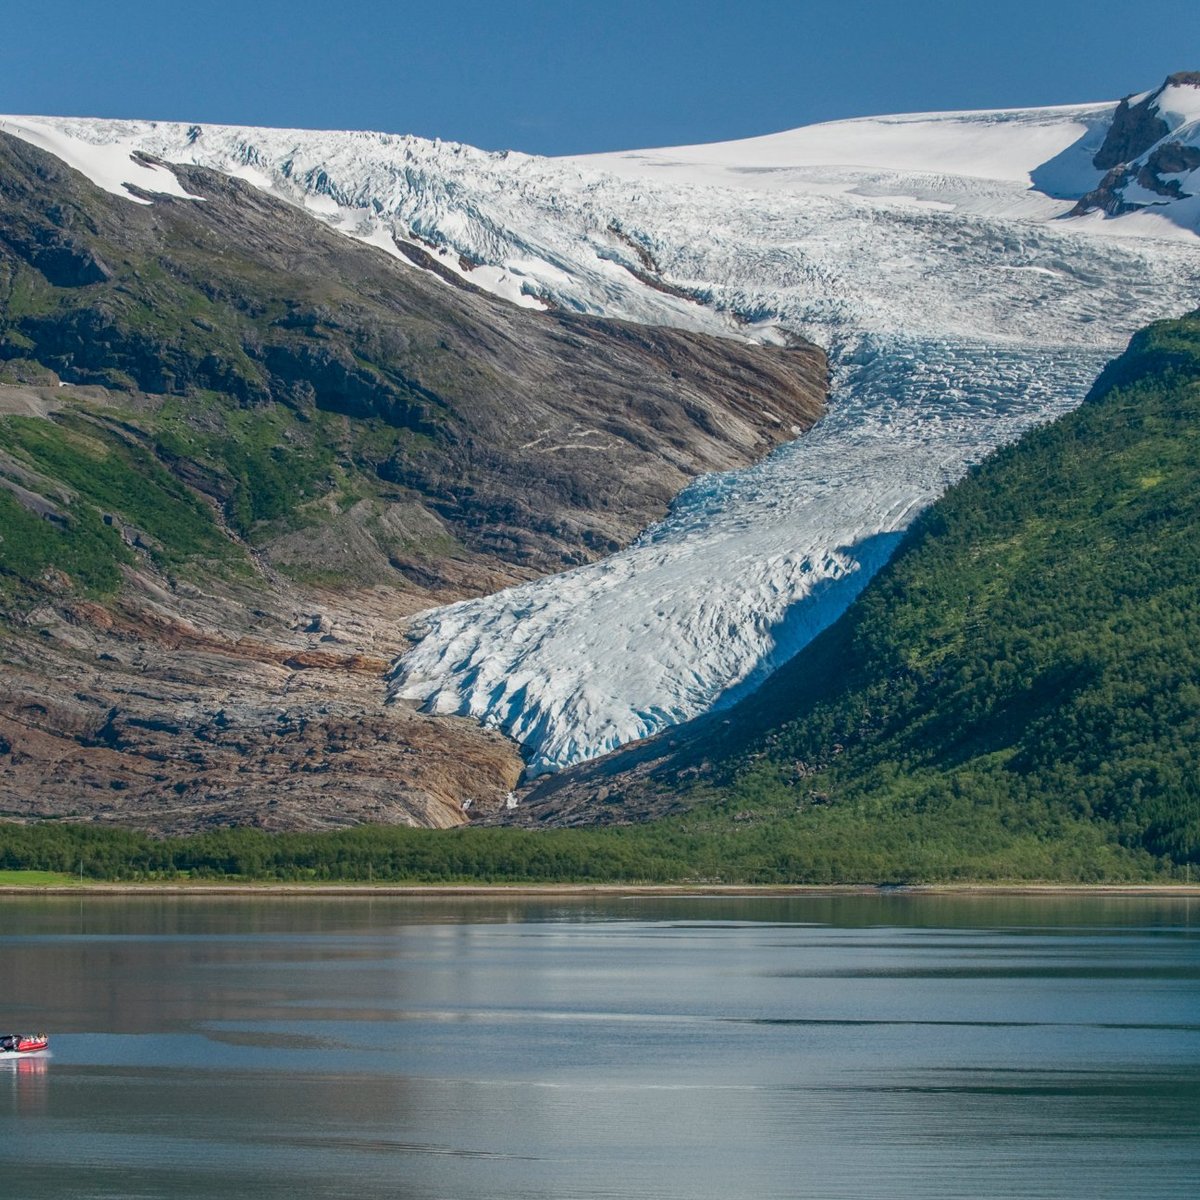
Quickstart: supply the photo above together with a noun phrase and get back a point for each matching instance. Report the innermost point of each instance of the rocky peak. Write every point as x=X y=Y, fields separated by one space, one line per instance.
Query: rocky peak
x=1138 y=127
x=1147 y=151
x=1135 y=128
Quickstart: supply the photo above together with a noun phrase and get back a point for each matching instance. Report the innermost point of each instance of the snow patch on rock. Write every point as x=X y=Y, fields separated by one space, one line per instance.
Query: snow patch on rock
x=109 y=165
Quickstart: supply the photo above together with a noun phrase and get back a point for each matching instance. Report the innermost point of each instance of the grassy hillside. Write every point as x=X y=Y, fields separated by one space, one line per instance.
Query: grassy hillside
x=1016 y=696
x=1023 y=680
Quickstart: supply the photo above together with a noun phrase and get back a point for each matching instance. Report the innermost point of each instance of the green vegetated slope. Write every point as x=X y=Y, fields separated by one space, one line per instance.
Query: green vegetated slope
x=238 y=408
x=1018 y=692
x=92 y=473
x=1016 y=696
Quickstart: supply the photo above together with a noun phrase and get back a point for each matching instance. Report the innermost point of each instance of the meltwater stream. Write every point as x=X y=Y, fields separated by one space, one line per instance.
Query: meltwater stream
x=749 y=565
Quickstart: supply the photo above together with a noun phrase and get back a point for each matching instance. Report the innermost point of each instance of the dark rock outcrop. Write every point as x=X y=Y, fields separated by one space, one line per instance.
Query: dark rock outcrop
x=1135 y=149
x=1135 y=128
x=1107 y=196
x=1168 y=158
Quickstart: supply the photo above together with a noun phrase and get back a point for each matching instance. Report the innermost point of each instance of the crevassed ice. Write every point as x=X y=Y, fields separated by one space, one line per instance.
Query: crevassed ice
x=959 y=313
x=747 y=568
x=959 y=304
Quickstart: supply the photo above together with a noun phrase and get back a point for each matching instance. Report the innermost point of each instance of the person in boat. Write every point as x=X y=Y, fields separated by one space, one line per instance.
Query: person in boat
x=15 y=1042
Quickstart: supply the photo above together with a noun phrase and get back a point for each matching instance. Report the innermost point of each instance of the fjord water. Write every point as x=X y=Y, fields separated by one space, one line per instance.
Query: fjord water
x=855 y=1046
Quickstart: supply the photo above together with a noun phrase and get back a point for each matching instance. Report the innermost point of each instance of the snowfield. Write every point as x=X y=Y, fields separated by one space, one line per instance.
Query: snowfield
x=930 y=254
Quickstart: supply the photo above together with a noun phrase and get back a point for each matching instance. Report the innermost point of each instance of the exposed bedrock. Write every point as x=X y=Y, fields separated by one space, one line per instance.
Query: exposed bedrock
x=345 y=439
x=1135 y=128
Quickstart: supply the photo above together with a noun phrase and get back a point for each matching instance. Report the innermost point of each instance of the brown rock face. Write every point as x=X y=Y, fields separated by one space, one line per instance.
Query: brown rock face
x=170 y=722
x=346 y=440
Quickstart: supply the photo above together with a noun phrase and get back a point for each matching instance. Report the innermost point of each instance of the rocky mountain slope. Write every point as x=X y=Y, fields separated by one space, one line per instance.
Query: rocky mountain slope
x=237 y=450
x=1026 y=663
x=944 y=260
x=536 y=438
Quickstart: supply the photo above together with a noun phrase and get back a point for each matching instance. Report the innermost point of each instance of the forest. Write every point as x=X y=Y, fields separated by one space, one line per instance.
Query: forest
x=1015 y=697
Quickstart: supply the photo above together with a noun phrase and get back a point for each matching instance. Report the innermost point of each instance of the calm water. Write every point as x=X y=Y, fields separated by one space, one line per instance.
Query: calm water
x=732 y=1048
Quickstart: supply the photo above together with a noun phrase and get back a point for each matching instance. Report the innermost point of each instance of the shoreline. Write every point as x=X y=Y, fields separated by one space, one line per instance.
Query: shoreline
x=583 y=890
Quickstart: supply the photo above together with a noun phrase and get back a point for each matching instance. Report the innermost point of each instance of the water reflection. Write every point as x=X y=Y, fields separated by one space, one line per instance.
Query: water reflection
x=30 y=1080
x=603 y=1047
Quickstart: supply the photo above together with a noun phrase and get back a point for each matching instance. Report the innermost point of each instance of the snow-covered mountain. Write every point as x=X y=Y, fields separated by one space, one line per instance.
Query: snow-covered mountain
x=955 y=266
x=1151 y=155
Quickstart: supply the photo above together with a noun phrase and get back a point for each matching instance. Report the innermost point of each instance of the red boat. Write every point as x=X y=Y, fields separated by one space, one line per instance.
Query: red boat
x=23 y=1043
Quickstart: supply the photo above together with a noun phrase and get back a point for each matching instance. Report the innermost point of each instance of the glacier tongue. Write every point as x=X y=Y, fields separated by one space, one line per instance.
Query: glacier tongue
x=748 y=566
x=931 y=253
x=960 y=309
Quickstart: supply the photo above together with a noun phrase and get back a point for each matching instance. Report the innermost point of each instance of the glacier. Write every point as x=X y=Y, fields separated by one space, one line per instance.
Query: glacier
x=747 y=568
x=932 y=255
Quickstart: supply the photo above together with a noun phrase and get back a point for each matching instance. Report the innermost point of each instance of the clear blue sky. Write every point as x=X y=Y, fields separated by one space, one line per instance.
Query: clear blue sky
x=569 y=76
